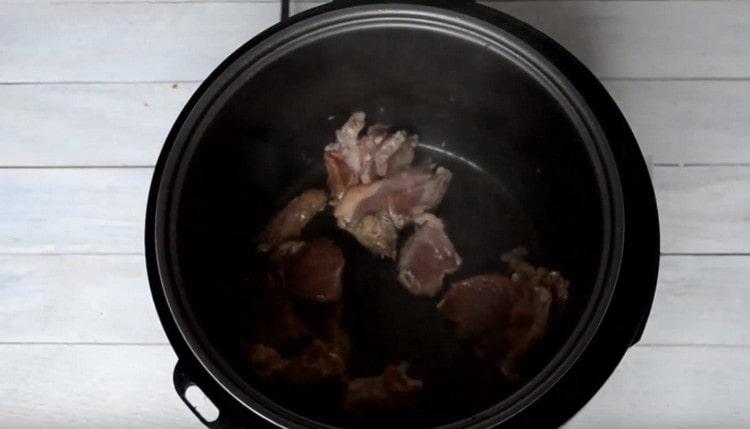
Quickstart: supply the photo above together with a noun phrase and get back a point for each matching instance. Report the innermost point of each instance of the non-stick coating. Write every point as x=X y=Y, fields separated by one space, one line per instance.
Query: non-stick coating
x=523 y=177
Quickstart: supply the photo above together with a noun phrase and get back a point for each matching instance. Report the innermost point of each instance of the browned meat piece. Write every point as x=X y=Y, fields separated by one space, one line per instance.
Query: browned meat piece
x=426 y=257
x=286 y=250
x=316 y=363
x=479 y=305
x=504 y=319
x=359 y=201
x=288 y=223
x=375 y=213
x=419 y=198
x=403 y=196
x=313 y=271
x=340 y=175
x=335 y=334
x=274 y=321
x=391 y=390
x=266 y=361
x=362 y=159
x=528 y=323
x=527 y=273
x=377 y=233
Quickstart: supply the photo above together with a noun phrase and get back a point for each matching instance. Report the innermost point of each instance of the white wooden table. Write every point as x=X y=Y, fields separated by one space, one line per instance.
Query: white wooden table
x=89 y=89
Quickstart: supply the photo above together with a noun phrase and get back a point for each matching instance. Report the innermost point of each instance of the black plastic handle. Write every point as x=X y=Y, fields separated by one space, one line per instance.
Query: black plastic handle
x=182 y=381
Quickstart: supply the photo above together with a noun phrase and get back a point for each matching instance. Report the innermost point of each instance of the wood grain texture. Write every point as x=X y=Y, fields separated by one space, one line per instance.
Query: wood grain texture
x=159 y=41
x=130 y=386
x=62 y=125
x=63 y=386
x=647 y=39
x=673 y=387
x=73 y=210
x=701 y=300
x=684 y=122
x=124 y=41
x=77 y=299
x=126 y=124
x=105 y=299
x=702 y=209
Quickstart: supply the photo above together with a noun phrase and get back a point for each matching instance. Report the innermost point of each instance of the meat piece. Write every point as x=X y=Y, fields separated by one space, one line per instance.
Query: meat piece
x=377 y=133
x=313 y=271
x=340 y=175
x=359 y=201
x=348 y=135
x=423 y=196
x=395 y=153
x=402 y=196
x=316 y=363
x=504 y=319
x=375 y=213
x=538 y=276
x=286 y=250
x=377 y=233
x=343 y=159
x=362 y=159
x=335 y=334
x=479 y=305
x=288 y=223
x=266 y=362
x=274 y=321
x=391 y=390
x=528 y=322
x=367 y=150
x=426 y=257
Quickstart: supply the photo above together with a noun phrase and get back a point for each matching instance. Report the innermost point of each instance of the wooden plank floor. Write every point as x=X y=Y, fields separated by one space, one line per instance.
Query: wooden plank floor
x=89 y=89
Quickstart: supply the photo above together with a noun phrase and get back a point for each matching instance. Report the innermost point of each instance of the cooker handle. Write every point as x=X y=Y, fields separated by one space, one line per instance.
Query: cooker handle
x=183 y=380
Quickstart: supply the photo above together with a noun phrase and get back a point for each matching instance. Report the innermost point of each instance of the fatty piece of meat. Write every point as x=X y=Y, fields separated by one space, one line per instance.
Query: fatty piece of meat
x=502 y=318
x=345 y=158
x=395 y=153
x=362 y=159
x=287 y=224
x=426 y=257
x=389 y=391
x=316 y=363
x=402 y=196
x=408 y=202
x=274 y=320
x=313 y=272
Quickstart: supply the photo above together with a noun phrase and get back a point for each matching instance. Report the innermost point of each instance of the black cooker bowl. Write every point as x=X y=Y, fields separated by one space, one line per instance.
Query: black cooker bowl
x=541 y=157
